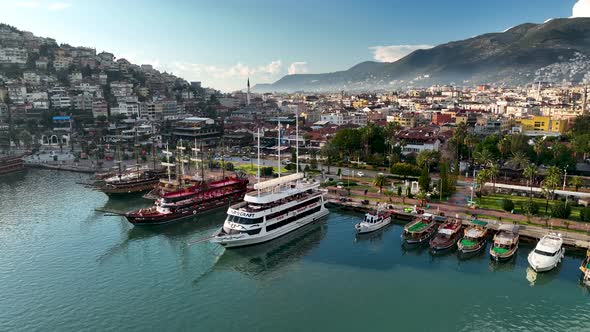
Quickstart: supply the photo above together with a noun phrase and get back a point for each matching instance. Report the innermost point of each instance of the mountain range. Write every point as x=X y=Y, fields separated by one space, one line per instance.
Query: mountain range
x=556 y=51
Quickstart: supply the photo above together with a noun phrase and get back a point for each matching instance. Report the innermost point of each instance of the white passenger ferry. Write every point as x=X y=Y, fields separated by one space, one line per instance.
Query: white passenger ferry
x=275 y=208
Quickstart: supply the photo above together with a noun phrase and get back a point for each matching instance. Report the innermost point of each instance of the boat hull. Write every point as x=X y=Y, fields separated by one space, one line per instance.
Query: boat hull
x=502 y=258
x=419 y=241
x=471 y=250
x=549 y=265
x=243 y=240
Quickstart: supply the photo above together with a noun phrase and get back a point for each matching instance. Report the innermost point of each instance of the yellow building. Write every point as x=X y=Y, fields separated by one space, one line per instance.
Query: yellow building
x=361 y=103
x=405 y=120
x=543 y=123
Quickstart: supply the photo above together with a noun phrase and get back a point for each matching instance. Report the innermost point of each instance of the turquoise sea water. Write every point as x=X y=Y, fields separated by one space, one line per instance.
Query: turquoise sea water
x=64 y=267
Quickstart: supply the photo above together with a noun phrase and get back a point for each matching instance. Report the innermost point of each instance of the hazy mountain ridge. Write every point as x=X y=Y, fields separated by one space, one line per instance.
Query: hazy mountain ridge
x=519 y=55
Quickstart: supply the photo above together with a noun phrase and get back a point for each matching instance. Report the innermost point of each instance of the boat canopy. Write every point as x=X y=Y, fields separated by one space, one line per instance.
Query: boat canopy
x=278 y=181
x=479 y=222
x=509 y=228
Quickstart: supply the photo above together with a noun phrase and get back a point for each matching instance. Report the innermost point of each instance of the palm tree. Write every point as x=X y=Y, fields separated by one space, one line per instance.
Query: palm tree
x=426 y=158
x=484 y=158
x=471 y=141
x=550 y=183
x=380 y=181
x=518 y=161
x=504 y=147
x=494 y=170
x=577 y=182
x=388 y=193
x=530 y=172
x=422 y=197
x=482 y=177
x=539 y=148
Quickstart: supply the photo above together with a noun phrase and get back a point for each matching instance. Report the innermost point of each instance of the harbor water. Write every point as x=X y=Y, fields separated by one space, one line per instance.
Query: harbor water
x=65 y=267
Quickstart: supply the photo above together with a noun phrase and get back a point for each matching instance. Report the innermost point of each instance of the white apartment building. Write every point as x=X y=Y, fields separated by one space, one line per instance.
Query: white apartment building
x=61 y=101
x=127 y=109
x=13 y=56
x=31 y=78
x=17 y=94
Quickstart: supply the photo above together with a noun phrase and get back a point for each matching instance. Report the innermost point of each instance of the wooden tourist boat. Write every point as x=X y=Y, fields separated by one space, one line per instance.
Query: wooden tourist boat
x=447 y=236
x=474 y=237
x=505 y=243
x=420 y=230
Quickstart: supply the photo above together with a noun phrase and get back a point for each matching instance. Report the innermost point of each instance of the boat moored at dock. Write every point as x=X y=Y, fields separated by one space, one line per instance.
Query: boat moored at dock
x=190 y=202
x=505 y=243
x=474 y=238
x=373 y=221
x=447 y=236
x=420 y=230
x=547 y=254
x=11 y=164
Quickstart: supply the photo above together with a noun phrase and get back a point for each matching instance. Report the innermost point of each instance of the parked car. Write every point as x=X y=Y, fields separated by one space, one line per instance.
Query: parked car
x=246 y=159
x=361 y=174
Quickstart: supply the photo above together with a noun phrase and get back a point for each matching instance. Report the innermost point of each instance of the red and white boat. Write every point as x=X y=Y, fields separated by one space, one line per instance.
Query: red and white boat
x=448 y=235
x=191 y=201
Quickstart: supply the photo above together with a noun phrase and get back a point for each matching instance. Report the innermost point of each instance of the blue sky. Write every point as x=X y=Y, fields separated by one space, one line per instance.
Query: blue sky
x=222 y=42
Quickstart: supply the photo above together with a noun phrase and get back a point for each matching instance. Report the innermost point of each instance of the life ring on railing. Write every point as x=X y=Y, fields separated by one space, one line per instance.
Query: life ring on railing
x=194 y=211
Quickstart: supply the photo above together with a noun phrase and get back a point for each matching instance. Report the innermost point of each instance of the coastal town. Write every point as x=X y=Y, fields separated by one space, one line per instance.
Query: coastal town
x=278 y=166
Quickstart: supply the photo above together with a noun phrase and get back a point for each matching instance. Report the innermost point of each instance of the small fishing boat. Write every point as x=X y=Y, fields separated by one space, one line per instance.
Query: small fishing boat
x=547 y=254
x=447 y=236
x=505 y=243
x=373 y=221
x=585 y=268
x=474 y=237
x=419 y=230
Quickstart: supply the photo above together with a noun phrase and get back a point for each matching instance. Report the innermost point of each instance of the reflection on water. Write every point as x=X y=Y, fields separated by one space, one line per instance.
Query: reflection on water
x=541 y=278
x=505 y=266
x=258 y=260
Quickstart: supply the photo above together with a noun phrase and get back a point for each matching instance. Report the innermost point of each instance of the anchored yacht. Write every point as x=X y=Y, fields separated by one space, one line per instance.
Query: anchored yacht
x=275 y=208
x=547 y=254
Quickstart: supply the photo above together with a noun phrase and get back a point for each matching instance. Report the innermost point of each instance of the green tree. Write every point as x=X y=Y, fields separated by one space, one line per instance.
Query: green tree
x=484 y=158
x=549 y=185
x=427 y=158
x=424 y=180
x=494 y=171
x=530 y=173
x=399 y=190
x=518 y=161
x=507 y=204
x=481 y=179
x=576 y=182
x=561 y=210
x=380 y=181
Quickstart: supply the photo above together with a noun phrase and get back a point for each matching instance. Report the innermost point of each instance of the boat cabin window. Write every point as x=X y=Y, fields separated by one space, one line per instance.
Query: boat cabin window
x=243 y=221
x=544 y=253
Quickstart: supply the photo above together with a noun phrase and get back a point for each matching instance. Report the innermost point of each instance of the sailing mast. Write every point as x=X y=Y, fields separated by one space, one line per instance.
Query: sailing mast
x=297 y=139
x=167 y=163
x=258 y=178
x=279 y=147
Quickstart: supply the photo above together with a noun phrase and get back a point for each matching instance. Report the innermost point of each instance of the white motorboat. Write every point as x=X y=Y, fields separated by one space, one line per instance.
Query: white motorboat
x=373 y=222
x=547 y=254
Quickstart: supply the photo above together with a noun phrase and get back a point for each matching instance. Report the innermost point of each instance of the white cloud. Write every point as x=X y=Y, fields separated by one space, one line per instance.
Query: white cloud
x=56 y=6
x=581 y=9
x=393 y=53
x=227 y=78
x=272 y=68
x=299 y=67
